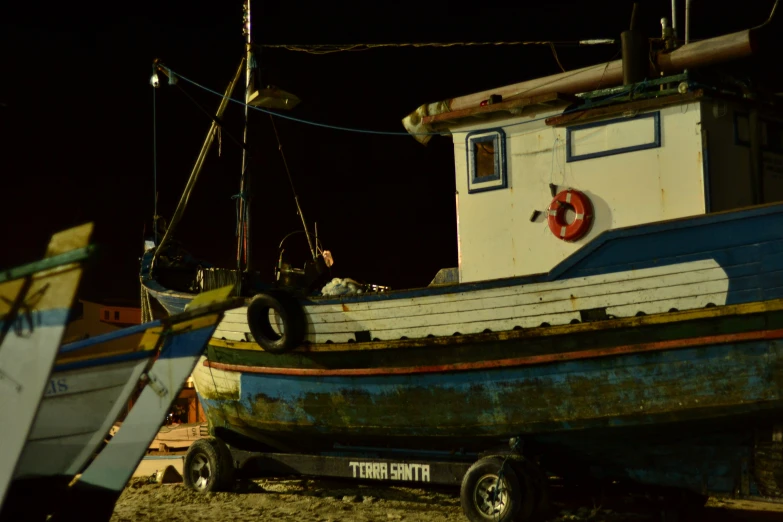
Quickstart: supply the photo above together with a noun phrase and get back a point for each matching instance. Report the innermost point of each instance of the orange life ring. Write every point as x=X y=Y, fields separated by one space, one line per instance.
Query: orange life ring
x=583 y=208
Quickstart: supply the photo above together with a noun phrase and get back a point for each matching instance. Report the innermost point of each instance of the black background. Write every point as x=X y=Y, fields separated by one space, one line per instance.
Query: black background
x=76 y=115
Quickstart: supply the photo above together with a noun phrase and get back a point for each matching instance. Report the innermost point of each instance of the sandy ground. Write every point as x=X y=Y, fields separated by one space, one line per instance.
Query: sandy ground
x=329 y=500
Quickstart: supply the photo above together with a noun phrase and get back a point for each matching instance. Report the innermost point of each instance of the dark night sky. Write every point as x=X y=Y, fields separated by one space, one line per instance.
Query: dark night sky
x=76 y=116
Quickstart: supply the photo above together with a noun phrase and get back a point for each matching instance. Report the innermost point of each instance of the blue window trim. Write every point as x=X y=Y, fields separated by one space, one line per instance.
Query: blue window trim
x=499 y=137
x=655 y=144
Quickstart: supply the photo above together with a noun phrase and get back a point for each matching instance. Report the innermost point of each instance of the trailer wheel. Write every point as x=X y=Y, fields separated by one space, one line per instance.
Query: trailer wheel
x=208 y=466
x=485 y=496
x=539 y=495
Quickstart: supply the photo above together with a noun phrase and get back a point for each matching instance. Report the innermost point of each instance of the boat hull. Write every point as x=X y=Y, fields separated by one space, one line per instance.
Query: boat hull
x=647 y=326
x=76 y=414
x=713 y=366
x=34 y=310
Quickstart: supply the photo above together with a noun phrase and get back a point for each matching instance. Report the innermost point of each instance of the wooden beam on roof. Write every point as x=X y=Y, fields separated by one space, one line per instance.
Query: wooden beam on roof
x=588 y=115
x=514 y=107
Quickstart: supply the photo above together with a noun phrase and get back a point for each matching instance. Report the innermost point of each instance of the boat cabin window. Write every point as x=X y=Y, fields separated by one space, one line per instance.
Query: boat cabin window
x=616 y=136
x=486 y=160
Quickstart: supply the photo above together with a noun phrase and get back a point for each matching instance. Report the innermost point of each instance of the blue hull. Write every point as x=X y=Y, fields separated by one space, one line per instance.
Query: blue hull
x=734 y=386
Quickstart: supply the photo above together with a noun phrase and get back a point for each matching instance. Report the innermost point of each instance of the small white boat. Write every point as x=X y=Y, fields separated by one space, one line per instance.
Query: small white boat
x=73 y=423
x=90 y=384
x=35 y=300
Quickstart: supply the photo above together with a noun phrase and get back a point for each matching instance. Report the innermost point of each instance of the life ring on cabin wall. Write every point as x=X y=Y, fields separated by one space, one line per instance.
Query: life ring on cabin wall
x=556 y=215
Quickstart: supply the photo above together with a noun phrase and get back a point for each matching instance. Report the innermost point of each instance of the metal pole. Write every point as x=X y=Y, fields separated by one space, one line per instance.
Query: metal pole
x=674 y=19
x=243 y=241
x=183 y=201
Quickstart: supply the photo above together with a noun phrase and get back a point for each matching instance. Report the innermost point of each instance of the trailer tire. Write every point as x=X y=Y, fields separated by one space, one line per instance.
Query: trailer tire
x=290 y=313
x=540 y=497
x=483 y=501
x=208 y=466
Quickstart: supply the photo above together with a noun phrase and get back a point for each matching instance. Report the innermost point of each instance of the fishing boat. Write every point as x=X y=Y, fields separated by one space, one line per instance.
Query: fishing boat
x=91 y=382
x=616 y=303
x=35 y=300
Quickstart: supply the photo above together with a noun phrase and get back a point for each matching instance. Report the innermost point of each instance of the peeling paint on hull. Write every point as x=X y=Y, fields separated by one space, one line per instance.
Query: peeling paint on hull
x=628 y=390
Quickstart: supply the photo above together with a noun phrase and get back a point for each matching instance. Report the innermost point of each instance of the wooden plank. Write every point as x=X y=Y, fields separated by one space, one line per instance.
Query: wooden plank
x=475 y=313
x=505 y=363
x=617 y=109
x=515 y=106
x=542 y=298
x=673 y=296
x=554 y=330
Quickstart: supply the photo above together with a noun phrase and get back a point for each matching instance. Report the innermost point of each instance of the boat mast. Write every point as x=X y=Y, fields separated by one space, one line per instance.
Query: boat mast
x=243 y=236
x=202 y=156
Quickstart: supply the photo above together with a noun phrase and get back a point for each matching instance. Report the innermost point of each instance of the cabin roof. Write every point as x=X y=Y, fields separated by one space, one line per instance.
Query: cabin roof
x=436 y=117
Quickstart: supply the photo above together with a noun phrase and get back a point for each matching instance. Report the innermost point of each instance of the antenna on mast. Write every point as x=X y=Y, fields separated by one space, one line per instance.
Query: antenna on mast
x=243 y=232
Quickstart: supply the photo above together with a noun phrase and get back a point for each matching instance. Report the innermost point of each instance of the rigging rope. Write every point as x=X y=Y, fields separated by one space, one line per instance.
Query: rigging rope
x=291 y=181
x=241 y=197
x=154 y=167
x=586 y=104
x=336 y=48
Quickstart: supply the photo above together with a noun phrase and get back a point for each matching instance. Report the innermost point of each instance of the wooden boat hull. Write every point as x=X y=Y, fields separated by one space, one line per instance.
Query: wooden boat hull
x=34 y=310
x=97 y=383
x=714 y=366
x=469 y=365
x=82 y=402
x=492 y=389
x=717 y=259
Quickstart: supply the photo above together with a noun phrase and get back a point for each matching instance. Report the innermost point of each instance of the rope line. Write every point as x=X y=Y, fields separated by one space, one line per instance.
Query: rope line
x=336 y=48
x=585 y=105
x=154 y=167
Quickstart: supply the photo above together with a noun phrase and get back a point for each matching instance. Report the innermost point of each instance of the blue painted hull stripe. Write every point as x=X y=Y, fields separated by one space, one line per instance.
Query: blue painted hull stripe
x=181 y=344
x=752 y=234
x=186 y=343
x=51 y=317
x=111 y=336
x=104 y=361
x=727 y=364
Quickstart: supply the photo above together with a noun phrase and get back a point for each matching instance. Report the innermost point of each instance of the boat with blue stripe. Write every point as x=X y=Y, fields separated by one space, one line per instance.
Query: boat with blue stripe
x=90 y=385
x=619 y=277
x=35 y=300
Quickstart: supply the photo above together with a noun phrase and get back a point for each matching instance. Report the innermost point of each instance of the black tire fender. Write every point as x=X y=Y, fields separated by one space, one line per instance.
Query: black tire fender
x=211 y=452
x=291 y=316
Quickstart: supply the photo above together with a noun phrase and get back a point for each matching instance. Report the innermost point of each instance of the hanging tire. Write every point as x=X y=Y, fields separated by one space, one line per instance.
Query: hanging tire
x=291 y=321
x=208 y=466
x=485 y=497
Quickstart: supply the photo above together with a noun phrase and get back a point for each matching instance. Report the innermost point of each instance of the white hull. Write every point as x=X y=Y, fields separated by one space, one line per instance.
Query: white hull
x=682 y=286
x=29 y=348
x=25 y=364
x=115 y=464
x=75 y=416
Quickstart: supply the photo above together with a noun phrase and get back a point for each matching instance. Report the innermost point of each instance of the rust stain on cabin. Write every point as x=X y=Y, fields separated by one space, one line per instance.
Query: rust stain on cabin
x=574 y=303
x=345 y=307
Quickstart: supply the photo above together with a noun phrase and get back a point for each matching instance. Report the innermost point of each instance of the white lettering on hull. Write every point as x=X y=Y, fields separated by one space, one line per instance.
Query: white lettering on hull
x=391 y=471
